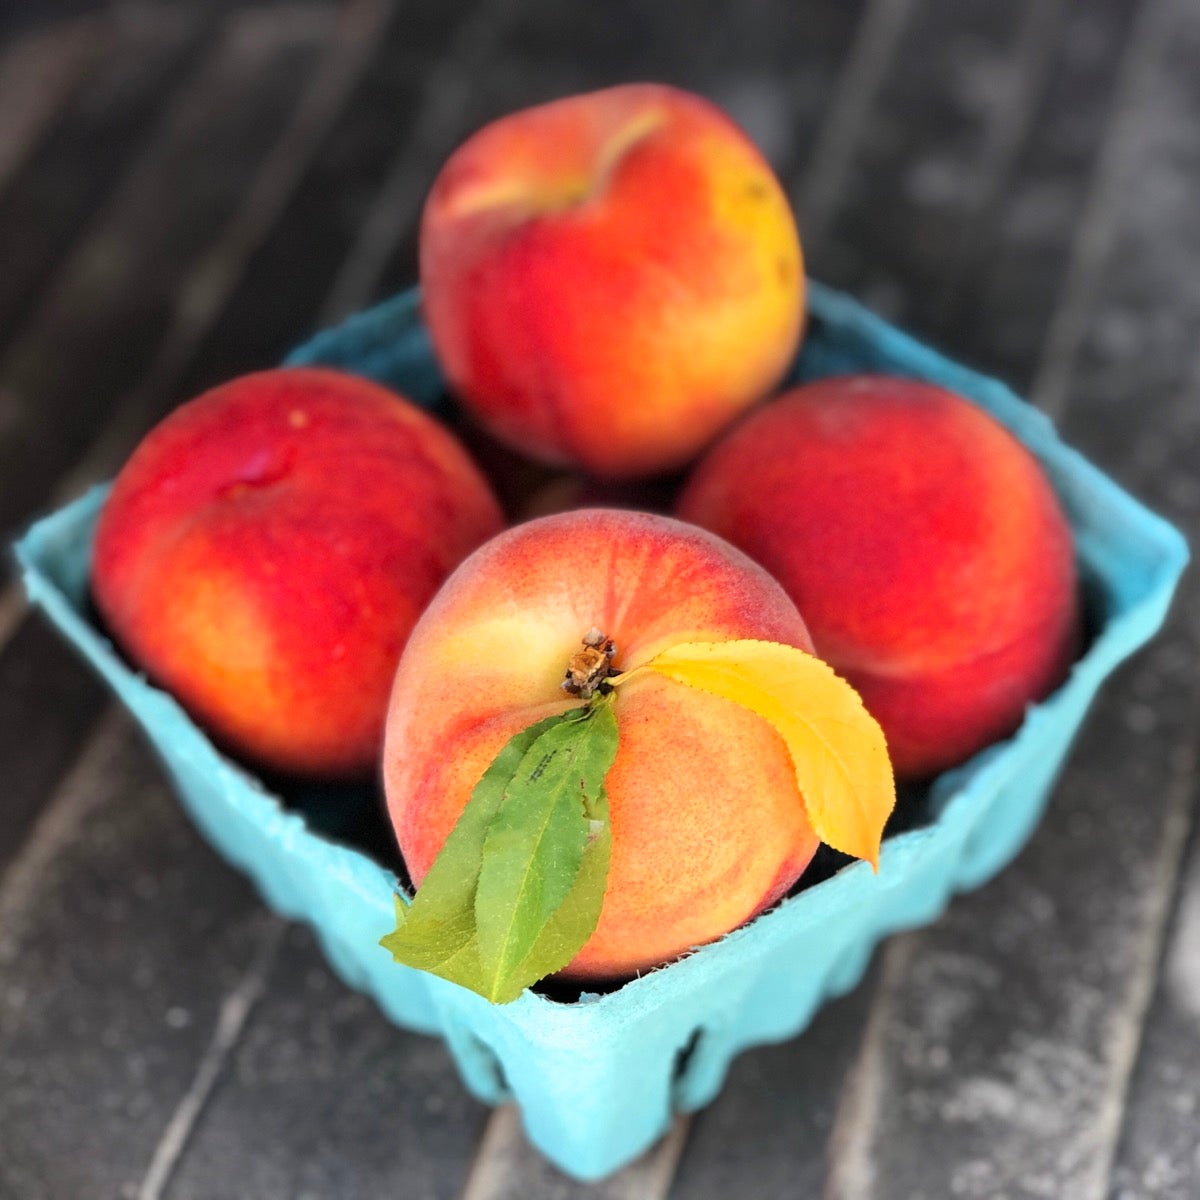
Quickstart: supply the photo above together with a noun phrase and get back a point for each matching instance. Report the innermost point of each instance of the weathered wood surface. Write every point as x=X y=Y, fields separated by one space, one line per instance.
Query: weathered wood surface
x=120 y=935
x=74 y=158
x=113 y=301
x=146 y=274
x=1015 y=182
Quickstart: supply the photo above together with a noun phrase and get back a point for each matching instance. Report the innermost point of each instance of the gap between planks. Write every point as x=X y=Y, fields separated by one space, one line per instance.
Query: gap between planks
x=73 y=799
x=235 y=1012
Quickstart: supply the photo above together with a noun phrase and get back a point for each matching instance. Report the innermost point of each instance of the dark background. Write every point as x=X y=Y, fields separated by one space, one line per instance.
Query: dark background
x=187 y=189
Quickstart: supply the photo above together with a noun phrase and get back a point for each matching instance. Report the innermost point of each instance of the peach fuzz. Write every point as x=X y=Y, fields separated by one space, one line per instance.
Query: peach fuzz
x=708 y=827
x=611 y=278
x=266 y=550
x=925 y=547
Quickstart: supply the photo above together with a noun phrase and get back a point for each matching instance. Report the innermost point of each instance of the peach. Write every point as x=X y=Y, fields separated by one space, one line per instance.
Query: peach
x=266 y=550
x=611 y=278
x=923 y=544
x=708 y=826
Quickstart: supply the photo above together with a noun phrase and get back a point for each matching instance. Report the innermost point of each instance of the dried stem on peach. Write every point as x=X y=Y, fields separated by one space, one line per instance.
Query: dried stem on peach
x=589 y=669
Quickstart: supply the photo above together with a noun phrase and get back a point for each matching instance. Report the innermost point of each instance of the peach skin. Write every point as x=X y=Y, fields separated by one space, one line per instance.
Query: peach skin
x=920 y=539
x=266 y=550
x=708 y=826
x=610 y=279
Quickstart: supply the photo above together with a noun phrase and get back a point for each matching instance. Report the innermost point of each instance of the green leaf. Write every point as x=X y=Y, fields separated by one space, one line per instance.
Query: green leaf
x=436 y=932
x=517 y=887
x=535 y=846
x=576 y=918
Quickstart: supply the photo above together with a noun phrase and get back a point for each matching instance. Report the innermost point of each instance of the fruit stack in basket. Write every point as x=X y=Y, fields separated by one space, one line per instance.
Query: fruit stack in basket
x=679 y=648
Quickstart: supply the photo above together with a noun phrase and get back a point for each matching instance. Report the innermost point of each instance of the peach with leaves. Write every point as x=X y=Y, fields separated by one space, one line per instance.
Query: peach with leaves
x=609 y=742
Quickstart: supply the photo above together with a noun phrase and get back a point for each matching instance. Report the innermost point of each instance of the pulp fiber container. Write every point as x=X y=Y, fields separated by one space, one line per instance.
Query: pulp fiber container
x=598 y=1078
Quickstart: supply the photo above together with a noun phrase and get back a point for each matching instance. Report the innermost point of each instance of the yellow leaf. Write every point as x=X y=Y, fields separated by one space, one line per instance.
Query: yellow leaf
x=837 y=748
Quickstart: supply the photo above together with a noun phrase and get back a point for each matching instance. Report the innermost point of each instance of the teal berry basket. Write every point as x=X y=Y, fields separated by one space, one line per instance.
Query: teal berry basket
x=598 y=1078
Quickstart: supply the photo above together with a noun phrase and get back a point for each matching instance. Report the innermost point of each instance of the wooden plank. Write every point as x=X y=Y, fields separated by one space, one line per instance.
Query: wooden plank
x=48 y=702
x=236 y=1009
x=1014 y=100
x=119 y=288
x=442 y=118
x=1005 y=293
x=321 y=1096
x=1000 y=1050
x=1116 y=175
x=119 y=933
x=203 y=293
x=23 y=20
x=507 y=1167
x=38 y=73
x=915 y=180
x=71 y=172
x=1139 y=356
x=824 y=177
x=282 y=293
x=1158 y=1153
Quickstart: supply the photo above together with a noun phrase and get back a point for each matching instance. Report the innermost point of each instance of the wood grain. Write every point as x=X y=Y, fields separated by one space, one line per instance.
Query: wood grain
x=98 y=129
x=121 y=931
x=1001 y=1049
x=320 y=1096
x=102 y=319
x=507 y=1167
x=38 y=73
x=988 y=173
x=1158 y=1154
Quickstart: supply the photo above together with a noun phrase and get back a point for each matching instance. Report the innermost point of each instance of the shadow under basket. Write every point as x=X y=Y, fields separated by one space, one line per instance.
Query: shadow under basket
x=598 y=1078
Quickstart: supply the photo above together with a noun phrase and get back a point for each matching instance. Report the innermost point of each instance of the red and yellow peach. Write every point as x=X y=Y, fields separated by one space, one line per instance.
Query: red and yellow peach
x=266 y=550
x=708 y=827
x=926 y=549
x=611 y=278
